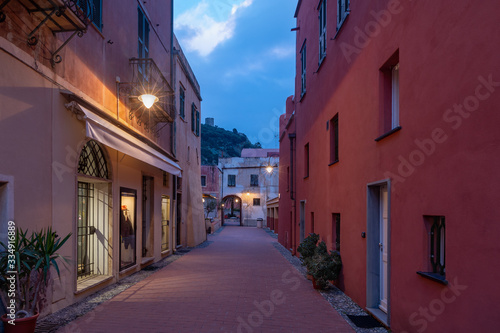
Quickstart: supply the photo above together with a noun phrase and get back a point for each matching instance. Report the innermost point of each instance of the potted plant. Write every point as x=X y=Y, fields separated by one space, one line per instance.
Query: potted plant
x=25 y=264
x=325 y=266
x=307 y=249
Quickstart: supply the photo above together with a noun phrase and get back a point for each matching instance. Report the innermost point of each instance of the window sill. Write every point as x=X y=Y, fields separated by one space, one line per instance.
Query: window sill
x=394 y=130
x=86 y=284
x=306 y=177
x=434 y=277
x=340 y=25
x=320 y=63
x=334 y=162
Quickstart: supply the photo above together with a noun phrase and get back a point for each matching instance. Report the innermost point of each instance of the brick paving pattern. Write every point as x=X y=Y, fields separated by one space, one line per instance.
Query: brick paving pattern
x=239 y=283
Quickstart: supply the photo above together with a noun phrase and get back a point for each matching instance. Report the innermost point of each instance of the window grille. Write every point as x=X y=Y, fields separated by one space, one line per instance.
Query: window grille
x=92 y=162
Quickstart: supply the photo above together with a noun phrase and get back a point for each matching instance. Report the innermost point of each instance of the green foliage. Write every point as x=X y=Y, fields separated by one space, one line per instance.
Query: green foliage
x=323 y=266
x=34 y=256
x=216 y=141
x=307 y=249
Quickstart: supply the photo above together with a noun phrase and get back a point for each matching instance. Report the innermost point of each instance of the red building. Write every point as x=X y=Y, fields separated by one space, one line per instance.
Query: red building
x=389 y=151
x=211 y=187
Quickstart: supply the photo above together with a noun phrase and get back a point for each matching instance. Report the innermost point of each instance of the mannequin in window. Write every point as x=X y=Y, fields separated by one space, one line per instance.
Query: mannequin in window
x=126 y=228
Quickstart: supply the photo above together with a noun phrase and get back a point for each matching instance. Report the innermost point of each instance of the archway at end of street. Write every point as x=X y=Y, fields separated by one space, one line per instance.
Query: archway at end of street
x=231 y=211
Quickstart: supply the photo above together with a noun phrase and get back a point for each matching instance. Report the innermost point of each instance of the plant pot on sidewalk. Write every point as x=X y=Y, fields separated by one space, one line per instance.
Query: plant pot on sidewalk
x=22 y=325
x=318 y=284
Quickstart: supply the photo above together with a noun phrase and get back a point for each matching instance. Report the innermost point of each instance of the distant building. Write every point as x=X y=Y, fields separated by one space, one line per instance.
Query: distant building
x=210 y=122
x=211 y=184
x=248 y=182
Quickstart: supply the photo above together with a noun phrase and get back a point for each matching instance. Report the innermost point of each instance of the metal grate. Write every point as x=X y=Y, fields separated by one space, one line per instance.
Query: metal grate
x=86 y=231
x=92 y=161
x=438 y=245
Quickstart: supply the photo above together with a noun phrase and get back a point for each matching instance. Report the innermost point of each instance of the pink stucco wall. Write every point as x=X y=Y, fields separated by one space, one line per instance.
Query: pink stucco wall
x=449 y=82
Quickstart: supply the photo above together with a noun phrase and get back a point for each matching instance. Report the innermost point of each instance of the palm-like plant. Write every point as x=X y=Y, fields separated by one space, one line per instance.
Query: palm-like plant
x=34 y=256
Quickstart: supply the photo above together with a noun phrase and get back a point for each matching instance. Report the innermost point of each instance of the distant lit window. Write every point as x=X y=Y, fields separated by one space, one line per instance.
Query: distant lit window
x=254 y=180
x=231 y=180
x=256 y=201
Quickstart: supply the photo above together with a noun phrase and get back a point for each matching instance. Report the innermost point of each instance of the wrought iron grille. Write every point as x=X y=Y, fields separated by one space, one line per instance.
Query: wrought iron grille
x=148 y=79
x=438 y=245
x=85 y=231
x=92 y=162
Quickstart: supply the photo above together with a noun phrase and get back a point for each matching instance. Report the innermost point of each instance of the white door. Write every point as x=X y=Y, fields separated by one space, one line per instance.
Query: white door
x=384 y=219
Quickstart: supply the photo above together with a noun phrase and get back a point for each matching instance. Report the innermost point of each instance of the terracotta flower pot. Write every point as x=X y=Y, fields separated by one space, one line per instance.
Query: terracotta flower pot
x=317 y=285
x=22 y=325
x=309 y=277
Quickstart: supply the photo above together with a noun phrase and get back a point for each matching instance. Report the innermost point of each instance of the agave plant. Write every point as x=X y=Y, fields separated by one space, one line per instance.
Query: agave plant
x=34 y=257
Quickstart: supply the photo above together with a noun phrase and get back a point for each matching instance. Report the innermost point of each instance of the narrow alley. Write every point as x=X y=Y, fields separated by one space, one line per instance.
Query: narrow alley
x=238 y=283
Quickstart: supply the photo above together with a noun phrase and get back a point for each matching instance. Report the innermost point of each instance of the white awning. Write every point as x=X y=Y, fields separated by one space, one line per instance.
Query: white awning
x=108 y=134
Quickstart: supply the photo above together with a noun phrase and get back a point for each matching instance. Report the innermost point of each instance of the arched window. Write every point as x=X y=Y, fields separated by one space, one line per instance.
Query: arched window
x=92 y=161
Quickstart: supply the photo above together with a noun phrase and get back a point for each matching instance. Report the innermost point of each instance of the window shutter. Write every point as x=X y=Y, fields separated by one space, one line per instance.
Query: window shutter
x=192 y=118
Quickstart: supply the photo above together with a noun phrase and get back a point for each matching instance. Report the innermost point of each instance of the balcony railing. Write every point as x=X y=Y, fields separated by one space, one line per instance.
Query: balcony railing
x=148 y=79
x=58 y=16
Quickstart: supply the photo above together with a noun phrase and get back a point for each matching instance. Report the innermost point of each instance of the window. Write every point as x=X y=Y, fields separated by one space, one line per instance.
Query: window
x=143 y=44
x=92 y=162
x=174 y=141
x=94 y=207
x=203 y=181
x=322 y=31
x=342 y=12
x=435 y=229
x=312 y=222
x=165 y=179
x=197 y=123
x=182 y=99
x=395 y=96
x=231 y=180
x=254 y=180
x=336 y=232
x=165 y=222
x=334 y=139
x=306 y=160
x=193 y=117
x=303 y=56
x=256 y=201
x=389 y=94
x=93 y=10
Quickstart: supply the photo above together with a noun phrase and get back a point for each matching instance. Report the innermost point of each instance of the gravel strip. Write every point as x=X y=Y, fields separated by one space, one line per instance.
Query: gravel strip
x=337 y=299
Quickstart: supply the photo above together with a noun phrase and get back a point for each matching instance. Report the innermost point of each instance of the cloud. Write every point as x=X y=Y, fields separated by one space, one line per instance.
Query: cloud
x=281 y=52
x=206 y=27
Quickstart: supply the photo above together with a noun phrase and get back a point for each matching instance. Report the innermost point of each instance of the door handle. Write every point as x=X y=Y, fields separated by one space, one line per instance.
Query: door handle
x=381 y=246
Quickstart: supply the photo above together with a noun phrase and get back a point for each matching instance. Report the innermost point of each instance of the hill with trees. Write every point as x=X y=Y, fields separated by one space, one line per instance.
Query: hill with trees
x=217 y=142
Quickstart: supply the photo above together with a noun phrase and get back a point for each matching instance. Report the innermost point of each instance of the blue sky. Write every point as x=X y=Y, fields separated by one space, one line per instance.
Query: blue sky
x=243 y=55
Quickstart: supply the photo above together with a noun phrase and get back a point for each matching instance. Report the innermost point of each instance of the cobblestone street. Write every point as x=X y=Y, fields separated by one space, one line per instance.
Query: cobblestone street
x=239 y=283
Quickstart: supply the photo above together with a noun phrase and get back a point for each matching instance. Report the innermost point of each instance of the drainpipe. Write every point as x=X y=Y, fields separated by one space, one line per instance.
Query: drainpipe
x=292 y=137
